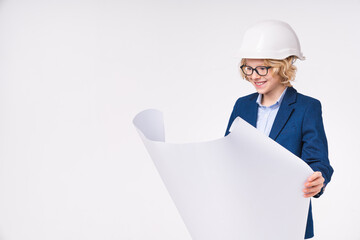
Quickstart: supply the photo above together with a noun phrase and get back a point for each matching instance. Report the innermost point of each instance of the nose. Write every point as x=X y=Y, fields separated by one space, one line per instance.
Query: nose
x=255 y=75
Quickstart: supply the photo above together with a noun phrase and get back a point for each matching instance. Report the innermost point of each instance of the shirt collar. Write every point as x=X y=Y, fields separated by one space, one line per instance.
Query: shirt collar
x=278 y=102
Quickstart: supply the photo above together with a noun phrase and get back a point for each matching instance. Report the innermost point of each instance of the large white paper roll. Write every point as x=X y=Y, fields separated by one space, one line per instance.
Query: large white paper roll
x=242 y=186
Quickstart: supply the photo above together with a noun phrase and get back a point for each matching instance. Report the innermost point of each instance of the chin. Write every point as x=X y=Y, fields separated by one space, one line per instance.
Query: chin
x=260 y=90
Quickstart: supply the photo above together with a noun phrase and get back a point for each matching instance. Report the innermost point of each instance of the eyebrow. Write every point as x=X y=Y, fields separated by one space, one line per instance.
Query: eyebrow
x=256 y=66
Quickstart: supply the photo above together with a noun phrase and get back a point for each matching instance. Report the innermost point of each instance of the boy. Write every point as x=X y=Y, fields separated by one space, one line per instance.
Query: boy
x=268 y=51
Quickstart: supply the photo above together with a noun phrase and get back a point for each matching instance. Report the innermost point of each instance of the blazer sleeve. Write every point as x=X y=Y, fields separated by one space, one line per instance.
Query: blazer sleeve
x=314 y=142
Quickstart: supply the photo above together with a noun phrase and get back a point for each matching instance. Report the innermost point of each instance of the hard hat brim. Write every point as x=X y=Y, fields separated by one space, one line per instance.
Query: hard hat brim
x=271 y=54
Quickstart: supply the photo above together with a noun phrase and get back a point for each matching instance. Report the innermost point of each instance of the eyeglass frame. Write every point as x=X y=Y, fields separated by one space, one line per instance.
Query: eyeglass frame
x=267 y=70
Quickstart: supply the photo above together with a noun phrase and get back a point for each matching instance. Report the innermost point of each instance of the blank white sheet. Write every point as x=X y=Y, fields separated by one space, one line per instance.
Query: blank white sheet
x=242 y=186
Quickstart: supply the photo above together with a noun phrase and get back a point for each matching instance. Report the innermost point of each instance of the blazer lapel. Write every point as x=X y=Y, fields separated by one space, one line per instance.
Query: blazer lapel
x=284 y=113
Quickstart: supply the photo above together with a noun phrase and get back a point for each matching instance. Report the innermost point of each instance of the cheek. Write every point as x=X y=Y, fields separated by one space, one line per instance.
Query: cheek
x=275 y=77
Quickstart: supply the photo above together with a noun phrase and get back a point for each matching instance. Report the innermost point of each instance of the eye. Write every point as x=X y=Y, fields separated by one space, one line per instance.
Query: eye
x=261 y=68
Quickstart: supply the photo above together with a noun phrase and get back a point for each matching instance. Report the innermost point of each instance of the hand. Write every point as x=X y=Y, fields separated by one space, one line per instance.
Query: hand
x=313 y=184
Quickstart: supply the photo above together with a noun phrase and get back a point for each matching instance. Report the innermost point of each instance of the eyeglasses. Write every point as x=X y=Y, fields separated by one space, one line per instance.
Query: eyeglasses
x=260 y=70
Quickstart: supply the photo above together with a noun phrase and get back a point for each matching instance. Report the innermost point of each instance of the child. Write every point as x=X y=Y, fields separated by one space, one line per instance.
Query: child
x=268 y=51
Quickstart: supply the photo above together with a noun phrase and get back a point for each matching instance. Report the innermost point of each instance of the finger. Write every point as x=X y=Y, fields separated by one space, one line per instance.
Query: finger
x=317 y=181
x=310 y=195
x=314 y=176
x=313 y=189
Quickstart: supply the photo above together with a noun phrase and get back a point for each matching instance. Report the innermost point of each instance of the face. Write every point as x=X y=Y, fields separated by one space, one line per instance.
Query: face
x=269 y=85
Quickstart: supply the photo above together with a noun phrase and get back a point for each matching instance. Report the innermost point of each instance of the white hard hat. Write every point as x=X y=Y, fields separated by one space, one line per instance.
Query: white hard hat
x=270 y=39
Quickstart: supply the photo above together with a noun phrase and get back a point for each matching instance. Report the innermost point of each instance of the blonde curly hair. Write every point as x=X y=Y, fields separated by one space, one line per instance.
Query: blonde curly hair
x=285 y=68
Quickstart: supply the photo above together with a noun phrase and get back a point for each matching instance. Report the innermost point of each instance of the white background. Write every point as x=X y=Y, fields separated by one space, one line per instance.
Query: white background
x=74 y=73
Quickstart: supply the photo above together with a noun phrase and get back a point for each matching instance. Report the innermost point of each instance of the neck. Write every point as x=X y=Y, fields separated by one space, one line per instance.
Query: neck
x=270 y=98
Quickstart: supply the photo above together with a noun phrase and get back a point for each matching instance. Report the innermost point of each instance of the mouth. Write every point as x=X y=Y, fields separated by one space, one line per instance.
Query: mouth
x=260 y=83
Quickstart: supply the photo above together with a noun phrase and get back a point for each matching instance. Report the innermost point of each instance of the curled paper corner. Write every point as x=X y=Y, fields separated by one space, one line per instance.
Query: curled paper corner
x=150 y=123
x=236 y=123
x=227 y=188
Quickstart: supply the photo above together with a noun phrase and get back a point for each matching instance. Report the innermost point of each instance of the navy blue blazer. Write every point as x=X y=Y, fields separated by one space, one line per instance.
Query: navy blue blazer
x=298 y=127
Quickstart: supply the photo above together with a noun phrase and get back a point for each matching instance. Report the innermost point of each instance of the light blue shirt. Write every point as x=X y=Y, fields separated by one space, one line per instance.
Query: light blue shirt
x=266 y=115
